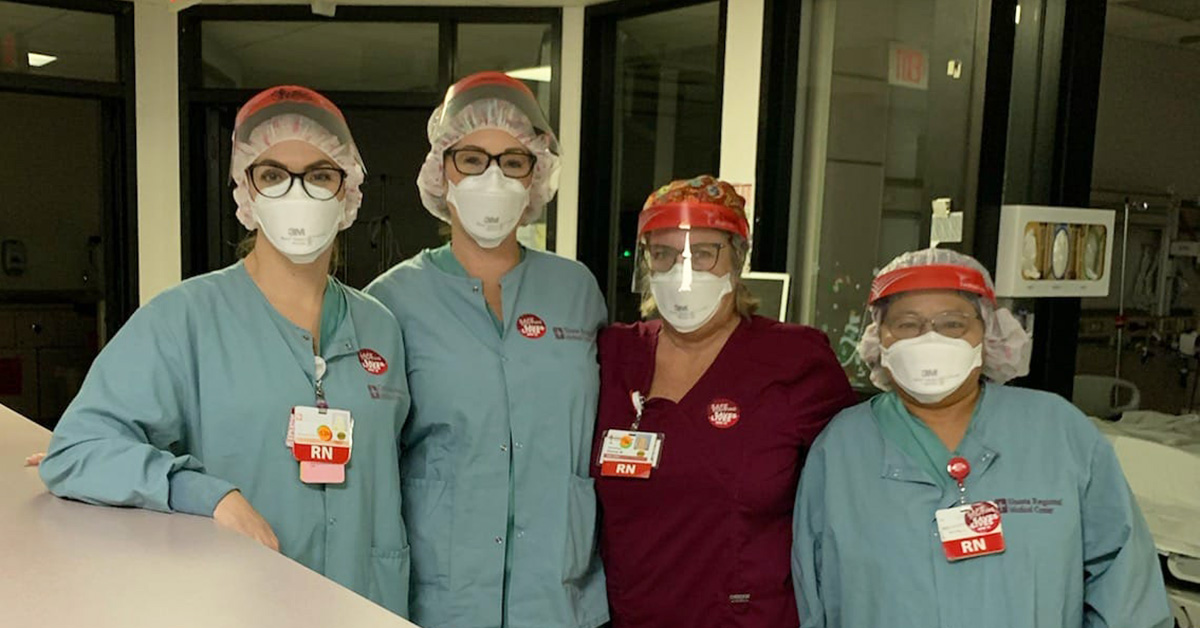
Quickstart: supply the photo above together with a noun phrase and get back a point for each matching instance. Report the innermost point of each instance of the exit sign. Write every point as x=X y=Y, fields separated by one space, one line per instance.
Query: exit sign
x=908 y=67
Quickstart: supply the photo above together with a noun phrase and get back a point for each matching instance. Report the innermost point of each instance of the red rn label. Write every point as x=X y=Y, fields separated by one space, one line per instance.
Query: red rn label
x=321 y=453
x=974 y=546
x=639 y=470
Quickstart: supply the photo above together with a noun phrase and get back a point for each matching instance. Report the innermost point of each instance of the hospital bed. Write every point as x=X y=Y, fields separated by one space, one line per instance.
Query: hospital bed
x=1160 y=454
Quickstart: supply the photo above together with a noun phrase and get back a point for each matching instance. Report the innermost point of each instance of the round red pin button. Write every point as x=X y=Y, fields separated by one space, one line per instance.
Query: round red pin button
x=531 y=326
x=724 y=414
x=372 y=362
x=959 y=468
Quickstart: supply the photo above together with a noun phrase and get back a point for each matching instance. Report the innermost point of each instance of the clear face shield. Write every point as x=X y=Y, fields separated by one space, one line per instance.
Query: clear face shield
x=684 y=253
x=688 y=272
x=492 y=86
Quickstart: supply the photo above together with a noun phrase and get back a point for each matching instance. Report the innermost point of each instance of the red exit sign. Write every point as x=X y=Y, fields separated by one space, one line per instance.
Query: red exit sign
x=908 y=67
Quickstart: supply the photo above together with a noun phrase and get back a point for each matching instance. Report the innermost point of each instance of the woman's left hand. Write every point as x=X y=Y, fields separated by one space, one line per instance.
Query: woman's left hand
x=35 y=459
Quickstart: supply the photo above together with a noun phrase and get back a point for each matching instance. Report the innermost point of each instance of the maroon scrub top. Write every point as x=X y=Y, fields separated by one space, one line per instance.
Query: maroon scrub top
x=706 y=540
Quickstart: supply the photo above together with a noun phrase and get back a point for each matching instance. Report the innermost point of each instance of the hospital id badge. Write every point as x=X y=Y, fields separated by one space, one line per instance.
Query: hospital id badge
x=970 y=530
x=629 y=454
x=322 y=440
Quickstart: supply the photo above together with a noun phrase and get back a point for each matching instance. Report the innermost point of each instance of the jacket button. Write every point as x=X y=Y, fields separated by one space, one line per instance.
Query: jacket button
x=503 y=447
x=499 y=541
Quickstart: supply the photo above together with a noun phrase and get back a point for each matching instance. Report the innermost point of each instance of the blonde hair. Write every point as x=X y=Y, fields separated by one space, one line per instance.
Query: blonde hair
x=744 y=302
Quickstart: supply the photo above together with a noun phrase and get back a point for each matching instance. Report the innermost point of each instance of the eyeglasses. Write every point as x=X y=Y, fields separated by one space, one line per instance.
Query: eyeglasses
x=515 y=164
x=948 y=324
x=662 y=258
x=321 y=183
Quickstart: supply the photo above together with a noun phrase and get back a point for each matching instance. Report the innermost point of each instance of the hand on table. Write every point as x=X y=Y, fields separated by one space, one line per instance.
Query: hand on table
x=35 y=459
x=235 y=513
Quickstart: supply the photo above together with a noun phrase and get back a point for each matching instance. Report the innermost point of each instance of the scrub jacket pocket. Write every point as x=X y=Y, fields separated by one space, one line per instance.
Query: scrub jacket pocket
x=581 y=529
x=389 y=578
x=427 y=503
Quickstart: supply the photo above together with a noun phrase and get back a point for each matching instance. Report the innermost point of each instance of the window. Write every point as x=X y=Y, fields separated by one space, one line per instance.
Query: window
x=386 y=68
x=45 y=41
x=885 y=106
x=341 y=56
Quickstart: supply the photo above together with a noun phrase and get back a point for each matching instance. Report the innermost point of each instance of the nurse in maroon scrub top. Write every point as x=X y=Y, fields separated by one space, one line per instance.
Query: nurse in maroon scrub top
x=705 y=418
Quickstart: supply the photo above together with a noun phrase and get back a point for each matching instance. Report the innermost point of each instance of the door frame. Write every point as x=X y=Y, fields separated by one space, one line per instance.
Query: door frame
x=1081 y=40
x=598 y=238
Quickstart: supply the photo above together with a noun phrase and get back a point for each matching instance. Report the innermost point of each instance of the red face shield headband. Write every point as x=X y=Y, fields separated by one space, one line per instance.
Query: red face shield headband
x=692 y=215
x=933 y=277
x=499 y=86
x=286 y=99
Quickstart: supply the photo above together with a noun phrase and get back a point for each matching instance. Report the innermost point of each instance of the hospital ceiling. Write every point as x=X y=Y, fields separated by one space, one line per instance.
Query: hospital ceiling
x=1173 y=23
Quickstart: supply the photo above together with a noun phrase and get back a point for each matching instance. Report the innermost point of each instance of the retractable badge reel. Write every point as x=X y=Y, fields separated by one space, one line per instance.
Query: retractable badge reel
x=969 y=530
x=630 y=453
x=321 y=438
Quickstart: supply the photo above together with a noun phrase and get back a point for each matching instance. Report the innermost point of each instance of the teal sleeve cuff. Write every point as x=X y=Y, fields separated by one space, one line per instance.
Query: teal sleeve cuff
x=196 y=493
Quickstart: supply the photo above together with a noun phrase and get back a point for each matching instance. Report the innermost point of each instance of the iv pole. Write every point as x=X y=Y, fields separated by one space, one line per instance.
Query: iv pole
x=1121 y=295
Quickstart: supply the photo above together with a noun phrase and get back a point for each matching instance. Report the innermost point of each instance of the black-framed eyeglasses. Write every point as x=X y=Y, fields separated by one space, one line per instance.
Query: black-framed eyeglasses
x=515 y=164
x=321 y=183
x=951 y=324
x=662 y=258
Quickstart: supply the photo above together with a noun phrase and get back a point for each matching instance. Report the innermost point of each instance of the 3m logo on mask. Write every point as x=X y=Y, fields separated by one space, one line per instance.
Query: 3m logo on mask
x=296 y=232
x=929 y=373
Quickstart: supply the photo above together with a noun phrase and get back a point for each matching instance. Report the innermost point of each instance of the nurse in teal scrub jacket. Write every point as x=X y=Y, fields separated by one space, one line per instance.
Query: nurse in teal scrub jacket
x=954 y=501
x=187 y=409
x=502 y=367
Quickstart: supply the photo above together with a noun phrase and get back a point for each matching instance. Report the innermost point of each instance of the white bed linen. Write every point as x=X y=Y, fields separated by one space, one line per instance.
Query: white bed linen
x=1160 y=454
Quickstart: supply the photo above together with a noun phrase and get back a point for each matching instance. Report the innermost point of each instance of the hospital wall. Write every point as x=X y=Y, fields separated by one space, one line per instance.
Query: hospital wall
x=158 y=167
x=1139 y=151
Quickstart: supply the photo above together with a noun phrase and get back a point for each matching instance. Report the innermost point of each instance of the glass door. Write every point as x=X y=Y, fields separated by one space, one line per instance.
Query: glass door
x=652 y=114
x=890 y=96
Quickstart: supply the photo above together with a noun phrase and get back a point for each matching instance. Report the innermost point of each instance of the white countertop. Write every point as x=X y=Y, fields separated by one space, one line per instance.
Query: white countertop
x=65 y=564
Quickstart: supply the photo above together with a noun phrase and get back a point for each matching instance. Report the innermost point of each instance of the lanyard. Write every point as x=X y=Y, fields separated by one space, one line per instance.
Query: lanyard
x=959 y=469
x=639 y=404
x=320 y=385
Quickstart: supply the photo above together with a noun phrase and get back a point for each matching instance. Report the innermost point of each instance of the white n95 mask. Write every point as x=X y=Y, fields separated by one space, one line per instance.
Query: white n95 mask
x=489 y=205
x=930 y=367
x=299 y=226
x=688 y=309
